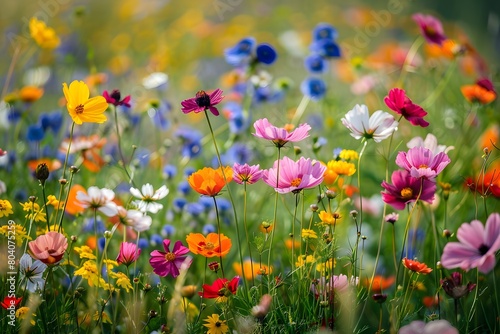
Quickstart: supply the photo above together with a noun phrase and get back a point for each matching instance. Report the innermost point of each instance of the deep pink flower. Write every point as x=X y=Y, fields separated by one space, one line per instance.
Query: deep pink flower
x=115 y=98
x=422 y=163
x=476 y=247
x=129 y=253
x=280 y=136
x=406 y=189
x=49 y=247
x=246 y=174
x=168 y=263
x=430 y=27
x=221 y=287
x=486 y=84
x=401 y=104
x=203 y=101
x=294 y=176
x=453 y=286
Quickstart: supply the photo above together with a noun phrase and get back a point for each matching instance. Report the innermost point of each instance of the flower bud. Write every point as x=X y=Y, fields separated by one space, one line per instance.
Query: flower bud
x=42 y=172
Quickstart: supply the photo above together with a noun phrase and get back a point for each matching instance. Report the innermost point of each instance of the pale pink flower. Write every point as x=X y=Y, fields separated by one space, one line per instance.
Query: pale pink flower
x=476 y=246
x=430 y=143
x=433 y=327
x=49 y=247
x=422 y=163
x=246 y=174
x=280 y=136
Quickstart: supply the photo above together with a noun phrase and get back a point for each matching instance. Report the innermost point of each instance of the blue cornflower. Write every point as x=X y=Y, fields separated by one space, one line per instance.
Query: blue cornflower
x=88 y=225
x=326 y=48
x=142 y=155
x=143 y=243
x=314 y=88
x=35 y=133
x=191 y=141
x=223 y=204
x=240 y=54
x=167 y=231
x=155 y=240
x=266 y=54
x=336 y=152
x=158 y=113
x=234 y=113
x=206 y=202
x=195 y=209
x=169 y=171
x=188 y=171
x=315 y=63
x=208 y=228
x=179 y=203
x=324 y=31
x=51 y=121
x=183 y=187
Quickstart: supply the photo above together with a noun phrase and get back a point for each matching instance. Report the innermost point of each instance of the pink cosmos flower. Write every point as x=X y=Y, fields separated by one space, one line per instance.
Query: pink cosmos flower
x=168 y=263
x=436 y=326
x=379 y=126
x=325 y=290
x=402 y=105
x=294 y=176
x=476 y=247
x=98 y=199
x=49 y=247
x=422 y=163
x=431 y=28
x=246 y=174
x=280 y=136
x=115 y=98
x=406 y=189
x=430 y=142
x=203 y=101
x=129 y=253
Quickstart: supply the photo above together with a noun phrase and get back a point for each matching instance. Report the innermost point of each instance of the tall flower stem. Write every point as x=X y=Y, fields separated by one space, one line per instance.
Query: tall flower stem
x=45 y=205
x=218 y=233
x=122 y=159
x=275 y=215
x=230 y=198
x=246 y=230
x=68 y=150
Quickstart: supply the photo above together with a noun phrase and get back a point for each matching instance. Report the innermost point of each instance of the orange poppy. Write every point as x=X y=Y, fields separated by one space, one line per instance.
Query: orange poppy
x=53 y=165
x=476 y=93
x=72 y=206
x=30 y=93
x=415 y=266
x=258 y=269
x=209 y=181
x=380 y=283
x=211 y=245
x=490 y=137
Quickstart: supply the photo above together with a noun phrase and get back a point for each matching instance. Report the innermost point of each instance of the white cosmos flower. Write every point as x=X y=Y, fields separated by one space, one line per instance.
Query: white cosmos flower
x=135 y=219
x=148 y=197
x=98 y=199
x=379 y=126
x=430 y=143
x=32 y=272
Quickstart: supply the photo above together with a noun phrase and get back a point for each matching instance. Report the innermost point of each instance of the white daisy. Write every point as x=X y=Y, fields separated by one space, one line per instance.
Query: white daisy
x=135 y=219
x=378 y=126
x=98 y=199
x=148 y=197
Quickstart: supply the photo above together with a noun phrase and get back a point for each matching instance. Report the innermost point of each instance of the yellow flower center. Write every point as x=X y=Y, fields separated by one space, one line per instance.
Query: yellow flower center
x=423 y=166
x=79 y=109
x=407 y=193
x=170 y=257
x=296 y=182
x=209 y=246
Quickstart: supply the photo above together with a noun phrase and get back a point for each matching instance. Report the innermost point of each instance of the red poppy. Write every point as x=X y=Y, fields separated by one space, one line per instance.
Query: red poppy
x=415 y=266
x=10 y=301
x=220 y=288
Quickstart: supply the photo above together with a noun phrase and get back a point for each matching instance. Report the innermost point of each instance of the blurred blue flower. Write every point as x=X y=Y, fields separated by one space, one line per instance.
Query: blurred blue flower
x=167 y=231
x=14 y=115
x=326 y=48
x=315 y=63
x=88 y=225
x=223 y=204
x=240 y=54
x=53 y=121
x=238 y=152
x=191 y=141
x=143 y=243
x=324 y=31
x=101 y=242
x=34 y=133
x=266 y=54
x=207 y=202
x=314 y=88
x=158 y=113
x=414 y=243
x=208 y=228
x=336 y=152
x=188 y=171
x=169 y=171
x=155 y=240
x=142 y=156
x=179 y=203
x=183 y=187
x=195 y=209
x=234 y=113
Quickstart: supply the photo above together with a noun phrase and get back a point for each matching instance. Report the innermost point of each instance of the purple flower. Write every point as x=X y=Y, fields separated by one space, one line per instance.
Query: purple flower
x=476 y=247
x=294 y=176
x=279 y=136
x=115 y=98
x=453 y=286
x=406 y=189
x=422 y=163
x=168 y=263
x=203 y=101
x=430 y=27
x=246 y=174
x=401 y=104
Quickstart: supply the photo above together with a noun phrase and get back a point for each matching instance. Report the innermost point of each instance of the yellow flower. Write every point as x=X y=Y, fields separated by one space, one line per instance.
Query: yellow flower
x=104 y=317
x=44 y=36
x=85 y=252
x=35 y=212
x=327 y=266
x=348 y=155
x=308 y=234
x=215 y=325
x=20 y=232
x=328 y=218
x=89 y=272
x=52 y=200
x=341 y=167
x=23 y=312
x=122 y=280
x=303 y=259
x=80 y=107
x=5 y=208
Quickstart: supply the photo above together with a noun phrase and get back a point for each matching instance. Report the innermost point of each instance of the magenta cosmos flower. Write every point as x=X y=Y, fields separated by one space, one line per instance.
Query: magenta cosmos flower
x=476 y=246
x=168 y=263
x=115 y=98
x=294 y=176
x=129 y=253
x=379 y=126
x=280 y=136
x=430 y=27
x=406 y=189
x=246 y=174
x=422 y=163
x=402 y=105
x=49 y=247
x=203 y=101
